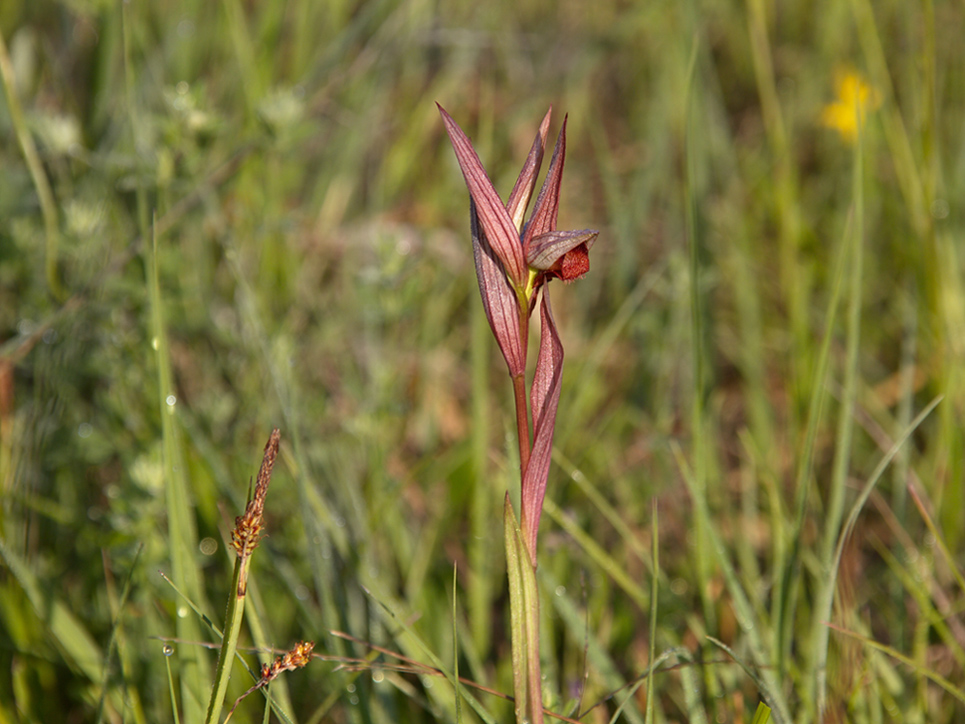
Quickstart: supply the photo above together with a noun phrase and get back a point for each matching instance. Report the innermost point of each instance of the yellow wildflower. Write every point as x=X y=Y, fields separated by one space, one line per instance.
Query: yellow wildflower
x=856 y=96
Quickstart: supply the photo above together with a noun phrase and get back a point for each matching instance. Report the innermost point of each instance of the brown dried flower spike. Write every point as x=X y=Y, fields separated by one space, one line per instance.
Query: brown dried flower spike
x=248 y=530
x=250 y=526
x=299 y=656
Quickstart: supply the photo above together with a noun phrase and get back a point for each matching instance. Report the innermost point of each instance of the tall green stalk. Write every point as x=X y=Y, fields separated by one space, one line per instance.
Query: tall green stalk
x=244 y=539
x=524 y=622
x=45 y=195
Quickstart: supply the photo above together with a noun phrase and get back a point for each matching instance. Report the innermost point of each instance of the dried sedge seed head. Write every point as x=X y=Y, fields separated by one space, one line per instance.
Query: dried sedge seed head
x=299 y=656
x=249 y=527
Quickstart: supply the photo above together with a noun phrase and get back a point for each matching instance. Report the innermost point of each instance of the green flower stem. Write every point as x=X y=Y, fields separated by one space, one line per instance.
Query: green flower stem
x=524 y=617
x=229 y=644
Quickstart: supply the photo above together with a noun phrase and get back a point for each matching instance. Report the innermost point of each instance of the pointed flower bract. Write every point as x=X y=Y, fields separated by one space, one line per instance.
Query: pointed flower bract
x=514 y=260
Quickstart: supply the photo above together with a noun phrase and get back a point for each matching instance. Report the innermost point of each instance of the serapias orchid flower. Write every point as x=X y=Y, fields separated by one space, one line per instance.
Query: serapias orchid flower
x=513 y=262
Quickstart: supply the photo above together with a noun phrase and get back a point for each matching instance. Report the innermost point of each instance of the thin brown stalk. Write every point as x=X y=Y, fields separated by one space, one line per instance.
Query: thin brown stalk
x=522 y=422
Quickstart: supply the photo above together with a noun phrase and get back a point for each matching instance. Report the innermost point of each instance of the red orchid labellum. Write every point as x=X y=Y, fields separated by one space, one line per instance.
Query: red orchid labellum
x=513 y=262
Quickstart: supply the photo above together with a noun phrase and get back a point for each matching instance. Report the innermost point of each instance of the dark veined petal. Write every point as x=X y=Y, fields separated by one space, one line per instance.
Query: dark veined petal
x=548 y=202
x=544 y=400
x=494 y=220
x=523 y=190
x=498 y=298
x=546 y=249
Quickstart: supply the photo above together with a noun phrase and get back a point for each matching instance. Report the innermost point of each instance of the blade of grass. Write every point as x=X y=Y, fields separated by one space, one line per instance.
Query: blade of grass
x=168 y=650
x=391 y=616
x=455 y=640
x=920 y=670
x=598 y=655
x=921 y=588
x=896 y=135
x=699 y=423
x=786 y=196
x=248 y=77
x=690 y=683
x=747 y=668
x=834 y=508
x=611 y=514
x=939 y=540
x=582 y=397
x=762 y=715
x=75 y=642
x=631 y=692
x=788 y=570
x=182 y=535
x=116 y=642
x=654 y=585
x=48 y=206
x=596 y=552
x=823 y=606
x=770 y=686
x=229 y=643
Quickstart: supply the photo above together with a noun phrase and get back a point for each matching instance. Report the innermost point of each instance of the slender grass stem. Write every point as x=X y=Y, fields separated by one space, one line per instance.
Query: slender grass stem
x=48 y=206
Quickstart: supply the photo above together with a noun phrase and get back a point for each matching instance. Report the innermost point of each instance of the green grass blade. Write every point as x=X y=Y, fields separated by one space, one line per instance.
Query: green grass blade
x=116 y=643
x=45 y=194
x=770 y=685
x=834 y=508
x=172 y=690
x=399 y=621
x=75 y=641
x=923 y=671
x=654 y=585
x=596 y=552
x=939 y=539
x=229 y=643
x=762 y=715
x=182 y=534
x=920 y=589
x=788 y=570
x=823 y=606
x=455 y=641
x=600 y=660
x=698 y=311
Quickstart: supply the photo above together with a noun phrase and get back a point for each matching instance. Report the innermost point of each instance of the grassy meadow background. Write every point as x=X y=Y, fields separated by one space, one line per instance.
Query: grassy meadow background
x=221 y=217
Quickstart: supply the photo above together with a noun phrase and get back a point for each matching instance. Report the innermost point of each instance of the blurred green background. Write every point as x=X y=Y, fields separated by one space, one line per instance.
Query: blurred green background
x=220 y=217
